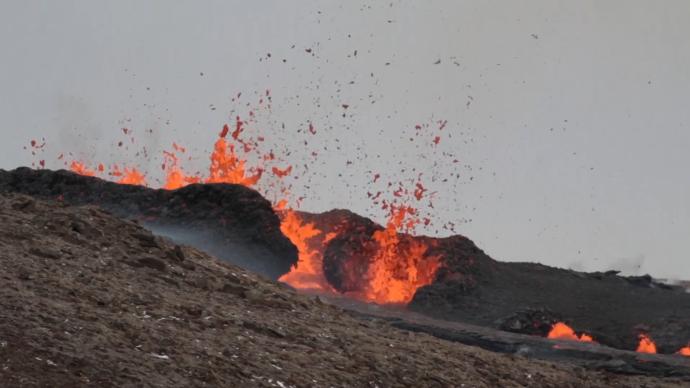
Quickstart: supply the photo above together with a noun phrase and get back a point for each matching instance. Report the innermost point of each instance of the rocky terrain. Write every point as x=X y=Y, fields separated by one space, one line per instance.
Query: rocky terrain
x=236 y=224
x=89 y=299
x=231 y=222
x=526 y=298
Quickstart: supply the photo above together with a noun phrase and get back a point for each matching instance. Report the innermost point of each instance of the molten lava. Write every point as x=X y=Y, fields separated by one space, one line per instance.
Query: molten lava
x=395 y=265
x=685 y=351
x=226 y=167
x=561 y=331
x=646 y=345
x=398 y=268
x=81 y=169
x=175 y=178
x=308 y=272
x=128 y=176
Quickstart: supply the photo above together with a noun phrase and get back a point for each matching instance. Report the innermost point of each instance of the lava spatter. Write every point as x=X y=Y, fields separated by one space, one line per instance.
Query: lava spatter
x=646 y=345
x=561 y=331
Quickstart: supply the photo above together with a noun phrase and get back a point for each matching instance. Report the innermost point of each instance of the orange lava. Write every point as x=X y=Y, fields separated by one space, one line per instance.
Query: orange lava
x=396 y=265
x=646 y=345
x=175 y=178
x=226 y=167
x=398 y=268
x=129 y=176
x=308 y=272
x=685 y=351
x=81 y=169
x=561 y=331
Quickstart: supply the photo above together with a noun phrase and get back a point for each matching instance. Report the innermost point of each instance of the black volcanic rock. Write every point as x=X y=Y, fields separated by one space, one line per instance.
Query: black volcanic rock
x=232 y=222
x=474 y=288
x=613 y=309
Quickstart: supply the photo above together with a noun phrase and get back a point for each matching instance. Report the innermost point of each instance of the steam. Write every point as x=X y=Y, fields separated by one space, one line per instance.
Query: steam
x=627 y=266
x=241 y=255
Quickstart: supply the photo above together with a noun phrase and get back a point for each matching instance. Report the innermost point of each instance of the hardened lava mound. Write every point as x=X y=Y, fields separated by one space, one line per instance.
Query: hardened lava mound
x=232 y=222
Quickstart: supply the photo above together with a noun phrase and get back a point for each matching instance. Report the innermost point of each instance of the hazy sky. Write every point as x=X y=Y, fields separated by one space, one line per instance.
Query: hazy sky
x=570 y=120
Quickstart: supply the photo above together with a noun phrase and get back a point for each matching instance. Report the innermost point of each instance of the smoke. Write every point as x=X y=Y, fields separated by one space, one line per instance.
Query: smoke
x=75 y=130
x=83 y=135
x=627 y=266
x=250 y=258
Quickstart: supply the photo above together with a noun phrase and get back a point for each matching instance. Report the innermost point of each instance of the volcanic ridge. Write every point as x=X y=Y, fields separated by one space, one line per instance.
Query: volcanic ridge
x=142 y=305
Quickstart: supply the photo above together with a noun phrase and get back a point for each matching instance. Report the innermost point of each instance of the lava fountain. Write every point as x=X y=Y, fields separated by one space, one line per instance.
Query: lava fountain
x=396 y=264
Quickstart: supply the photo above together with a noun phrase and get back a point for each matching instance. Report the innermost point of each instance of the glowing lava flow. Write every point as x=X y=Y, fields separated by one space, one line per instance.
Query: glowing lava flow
x=308 y=272
x=398 y=268
x=561 y=331
x=646 y=345
x=685 y=351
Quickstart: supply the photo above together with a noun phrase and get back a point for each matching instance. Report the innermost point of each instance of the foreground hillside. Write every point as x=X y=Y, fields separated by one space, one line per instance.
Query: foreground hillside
x=89 y=299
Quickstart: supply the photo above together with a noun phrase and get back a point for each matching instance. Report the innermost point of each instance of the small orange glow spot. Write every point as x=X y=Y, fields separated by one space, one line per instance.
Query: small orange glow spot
x=175 y=178
x=561 y=331
x=131 y=176
x=81 y=169
x=646 y=345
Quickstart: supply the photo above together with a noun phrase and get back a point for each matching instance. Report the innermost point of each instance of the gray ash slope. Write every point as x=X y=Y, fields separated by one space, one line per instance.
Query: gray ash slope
x=234 y=222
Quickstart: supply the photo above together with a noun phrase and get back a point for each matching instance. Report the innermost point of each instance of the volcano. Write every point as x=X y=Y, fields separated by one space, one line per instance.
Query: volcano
x=446 y=278
x=451 y=279
x=89 y=299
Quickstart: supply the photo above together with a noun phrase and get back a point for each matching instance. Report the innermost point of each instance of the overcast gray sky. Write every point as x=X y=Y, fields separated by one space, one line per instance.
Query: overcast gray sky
x=570 y=120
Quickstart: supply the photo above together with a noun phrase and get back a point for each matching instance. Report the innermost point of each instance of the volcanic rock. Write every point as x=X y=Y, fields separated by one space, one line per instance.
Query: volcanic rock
x=238 y=225
x=89 y=318
x=610 y=308
x=474 y=288
x=233 y=222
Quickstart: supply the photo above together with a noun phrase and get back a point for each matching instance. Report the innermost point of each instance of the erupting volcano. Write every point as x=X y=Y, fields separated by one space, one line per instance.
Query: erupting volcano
x=339 y=253
x=395 y=265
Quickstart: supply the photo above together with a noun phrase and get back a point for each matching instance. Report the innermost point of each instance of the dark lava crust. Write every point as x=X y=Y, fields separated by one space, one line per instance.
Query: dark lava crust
x=232 y=222
x=524 y=297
